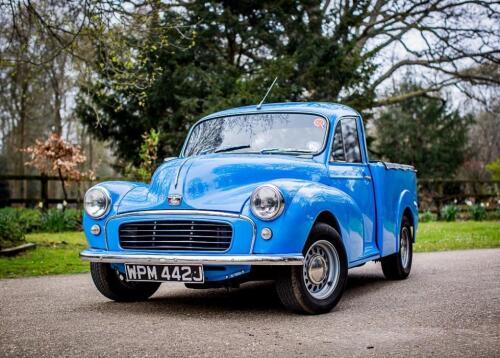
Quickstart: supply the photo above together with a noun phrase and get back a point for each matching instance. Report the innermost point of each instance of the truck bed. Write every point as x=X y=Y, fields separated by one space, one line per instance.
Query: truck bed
x=395 y=189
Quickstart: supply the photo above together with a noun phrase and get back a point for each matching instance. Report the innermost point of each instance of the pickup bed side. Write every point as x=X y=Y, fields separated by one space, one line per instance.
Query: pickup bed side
x=395 y=195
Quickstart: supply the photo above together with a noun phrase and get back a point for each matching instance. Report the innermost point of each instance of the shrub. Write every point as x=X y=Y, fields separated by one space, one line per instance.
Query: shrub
x=11 y=233
x=34 y=220
x=427 y=216
x=449 y=212
x=73 y=218
x=493 y=215
x=477 y=212
x=30 y=220
x=56 y=220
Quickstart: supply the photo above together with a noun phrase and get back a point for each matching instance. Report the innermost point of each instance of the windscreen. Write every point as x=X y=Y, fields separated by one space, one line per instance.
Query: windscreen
x=292 y=133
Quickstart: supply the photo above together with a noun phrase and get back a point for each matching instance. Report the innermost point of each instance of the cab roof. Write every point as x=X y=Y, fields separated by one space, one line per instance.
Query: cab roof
x=323 y=108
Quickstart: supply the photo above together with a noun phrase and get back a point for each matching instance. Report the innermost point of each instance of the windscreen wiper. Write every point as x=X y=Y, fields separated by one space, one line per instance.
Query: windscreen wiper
x=223 y=149
x=229 y=149
x=285 y=151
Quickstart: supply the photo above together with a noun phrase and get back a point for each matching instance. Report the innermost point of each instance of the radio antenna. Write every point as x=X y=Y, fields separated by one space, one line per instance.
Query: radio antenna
x=267 y=93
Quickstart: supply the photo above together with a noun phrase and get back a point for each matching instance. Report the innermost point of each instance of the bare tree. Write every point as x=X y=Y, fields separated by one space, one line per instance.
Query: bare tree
x=448 y=42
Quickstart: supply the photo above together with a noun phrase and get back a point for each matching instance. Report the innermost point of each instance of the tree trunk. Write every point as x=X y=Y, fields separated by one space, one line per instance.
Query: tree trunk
x=61 y=178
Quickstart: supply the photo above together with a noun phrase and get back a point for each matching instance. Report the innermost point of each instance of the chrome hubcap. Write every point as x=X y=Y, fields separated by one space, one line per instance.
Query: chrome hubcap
x=405 y=247
x=317 y=269
x=321 y=269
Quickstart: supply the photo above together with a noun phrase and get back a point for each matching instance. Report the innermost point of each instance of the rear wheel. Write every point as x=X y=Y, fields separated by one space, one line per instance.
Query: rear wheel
x=317 y=285
x=112 y=284
x=398 y=266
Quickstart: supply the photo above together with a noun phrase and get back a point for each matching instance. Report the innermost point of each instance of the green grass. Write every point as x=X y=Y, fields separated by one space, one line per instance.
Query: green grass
x=58 y=253
x=458 y=235
x=55 y=254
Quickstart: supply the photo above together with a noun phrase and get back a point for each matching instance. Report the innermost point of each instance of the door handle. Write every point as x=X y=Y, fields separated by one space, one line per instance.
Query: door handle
x=367 y=177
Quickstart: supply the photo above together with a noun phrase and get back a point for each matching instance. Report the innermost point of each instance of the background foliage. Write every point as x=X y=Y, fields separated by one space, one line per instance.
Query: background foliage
x=210 y=56
x=425 y=133
x=101 y=73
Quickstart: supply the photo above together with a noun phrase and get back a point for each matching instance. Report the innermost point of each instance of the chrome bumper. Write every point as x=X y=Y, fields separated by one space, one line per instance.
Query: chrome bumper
x=158 y=259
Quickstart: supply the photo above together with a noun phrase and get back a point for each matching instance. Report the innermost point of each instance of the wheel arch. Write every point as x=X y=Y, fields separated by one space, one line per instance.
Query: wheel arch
x=407 y=213
x=407 y=207
x=327 y=217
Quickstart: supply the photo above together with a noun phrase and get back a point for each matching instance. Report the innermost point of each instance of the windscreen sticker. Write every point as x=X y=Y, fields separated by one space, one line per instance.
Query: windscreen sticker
x=319 y=122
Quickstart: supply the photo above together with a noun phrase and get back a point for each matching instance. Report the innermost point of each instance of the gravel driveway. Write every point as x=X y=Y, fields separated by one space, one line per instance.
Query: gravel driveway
x=449 y=306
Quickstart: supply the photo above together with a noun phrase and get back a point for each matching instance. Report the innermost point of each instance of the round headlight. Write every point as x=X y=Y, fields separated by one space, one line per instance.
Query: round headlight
x=97 y=202
x=267 y=202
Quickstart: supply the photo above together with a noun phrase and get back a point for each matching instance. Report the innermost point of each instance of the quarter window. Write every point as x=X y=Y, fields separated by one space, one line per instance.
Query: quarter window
x=346 y=142
x=351 y=141
x=338 y=145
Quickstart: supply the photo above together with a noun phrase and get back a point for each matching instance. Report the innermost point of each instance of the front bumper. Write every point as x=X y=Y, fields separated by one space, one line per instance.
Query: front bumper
x=95 y=255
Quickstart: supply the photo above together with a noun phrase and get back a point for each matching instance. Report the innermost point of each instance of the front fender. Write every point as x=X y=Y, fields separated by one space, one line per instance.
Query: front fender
x=117 y=190
x=291 y=230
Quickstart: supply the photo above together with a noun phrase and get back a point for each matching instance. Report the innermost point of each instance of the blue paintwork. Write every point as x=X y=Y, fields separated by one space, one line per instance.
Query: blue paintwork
x=367 y=212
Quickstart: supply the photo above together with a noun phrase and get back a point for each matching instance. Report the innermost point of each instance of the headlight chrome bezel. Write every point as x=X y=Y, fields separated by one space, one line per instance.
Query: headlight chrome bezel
x=281 y=202
x=107 y=196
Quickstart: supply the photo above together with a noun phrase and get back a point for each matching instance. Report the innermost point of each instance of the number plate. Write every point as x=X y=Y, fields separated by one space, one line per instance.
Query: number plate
x=165 y=273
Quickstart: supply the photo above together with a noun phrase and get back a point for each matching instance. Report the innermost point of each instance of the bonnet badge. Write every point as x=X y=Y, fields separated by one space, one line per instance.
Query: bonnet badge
x=174 y=199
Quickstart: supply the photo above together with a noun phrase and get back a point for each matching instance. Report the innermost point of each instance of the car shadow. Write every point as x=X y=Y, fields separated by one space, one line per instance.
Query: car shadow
x=260 y=298
x=360 y=282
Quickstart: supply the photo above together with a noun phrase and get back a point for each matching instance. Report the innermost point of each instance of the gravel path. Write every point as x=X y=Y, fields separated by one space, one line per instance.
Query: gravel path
x=449 y=306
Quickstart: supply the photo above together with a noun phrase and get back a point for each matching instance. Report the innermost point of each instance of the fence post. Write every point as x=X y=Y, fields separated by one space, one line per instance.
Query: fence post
x=438 y=198
x=45 y=191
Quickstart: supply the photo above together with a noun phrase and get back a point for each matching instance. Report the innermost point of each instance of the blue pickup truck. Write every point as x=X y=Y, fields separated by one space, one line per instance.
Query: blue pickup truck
x=282 y=192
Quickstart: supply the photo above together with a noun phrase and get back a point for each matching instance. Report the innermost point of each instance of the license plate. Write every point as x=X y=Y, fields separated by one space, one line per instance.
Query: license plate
x=165 y=273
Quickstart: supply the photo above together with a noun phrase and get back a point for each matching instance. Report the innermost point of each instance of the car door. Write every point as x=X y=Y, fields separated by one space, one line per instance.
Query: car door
x=348 y=171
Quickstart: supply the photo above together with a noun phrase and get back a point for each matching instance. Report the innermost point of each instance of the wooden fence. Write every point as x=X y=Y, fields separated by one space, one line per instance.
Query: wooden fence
x=40 y=190
x=433 y=193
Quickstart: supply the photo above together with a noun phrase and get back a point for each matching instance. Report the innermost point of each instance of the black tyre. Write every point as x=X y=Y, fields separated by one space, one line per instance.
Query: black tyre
x=108 y=282
x=398 y=266
x=316 y=286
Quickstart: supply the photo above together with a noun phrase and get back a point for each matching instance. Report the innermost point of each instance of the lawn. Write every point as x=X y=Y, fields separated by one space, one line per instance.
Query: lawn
x=58 y=253
x=55 y=254
x=459 y=235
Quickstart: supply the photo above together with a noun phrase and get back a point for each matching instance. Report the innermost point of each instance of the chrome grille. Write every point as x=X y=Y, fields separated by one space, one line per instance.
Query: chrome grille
x=185 y=235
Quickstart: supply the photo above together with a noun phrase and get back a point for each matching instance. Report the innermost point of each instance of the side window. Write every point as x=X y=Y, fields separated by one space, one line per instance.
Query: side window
x=351 y=140
x=338 y=145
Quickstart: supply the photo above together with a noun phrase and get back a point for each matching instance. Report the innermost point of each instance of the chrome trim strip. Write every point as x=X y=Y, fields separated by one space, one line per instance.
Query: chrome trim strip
x=177 y=176
x=398 y=166
x=196 y=212
x=159 y=259
x=179 y=212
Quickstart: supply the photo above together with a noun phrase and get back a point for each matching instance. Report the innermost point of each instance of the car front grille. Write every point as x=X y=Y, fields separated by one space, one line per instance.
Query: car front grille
x=185 y=235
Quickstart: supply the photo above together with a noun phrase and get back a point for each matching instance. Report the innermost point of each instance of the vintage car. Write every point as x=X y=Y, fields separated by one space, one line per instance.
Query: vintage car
x=282 y=192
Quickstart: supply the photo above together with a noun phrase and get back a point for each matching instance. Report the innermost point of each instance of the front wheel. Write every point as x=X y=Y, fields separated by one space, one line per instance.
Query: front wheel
x=112 y=284
x=398 y=266
x=317 y=285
